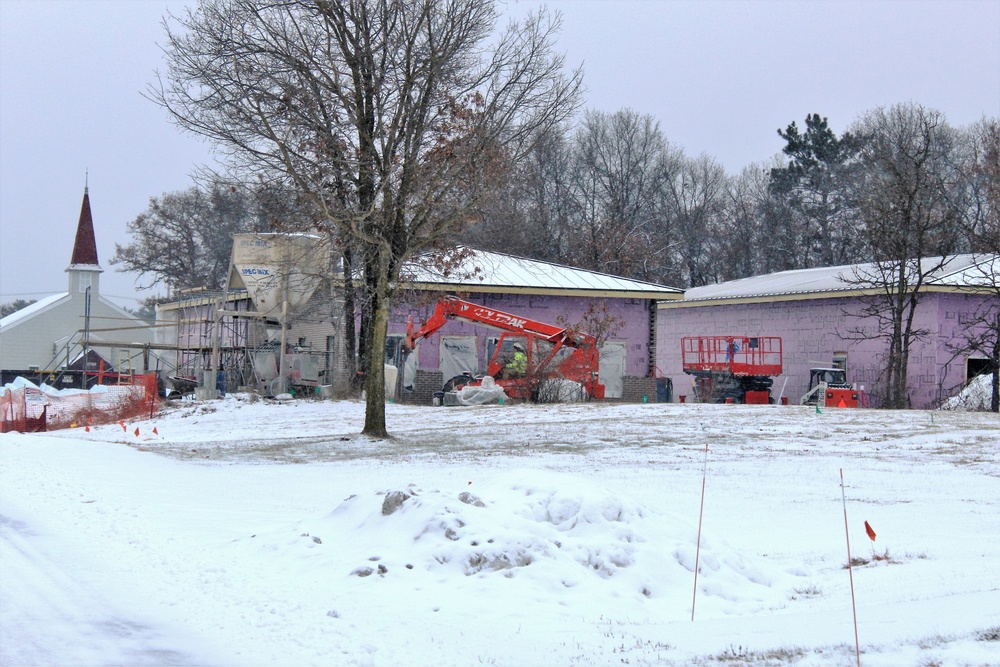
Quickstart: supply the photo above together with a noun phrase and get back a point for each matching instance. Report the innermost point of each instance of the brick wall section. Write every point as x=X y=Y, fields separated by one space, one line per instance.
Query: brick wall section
x=634 y=388
x=651 y=343
x=424 y=386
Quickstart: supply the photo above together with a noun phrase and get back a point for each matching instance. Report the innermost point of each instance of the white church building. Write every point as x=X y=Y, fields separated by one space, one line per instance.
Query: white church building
x=75 y=335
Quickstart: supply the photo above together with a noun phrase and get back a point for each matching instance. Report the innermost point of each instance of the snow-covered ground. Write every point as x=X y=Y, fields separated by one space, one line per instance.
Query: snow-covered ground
x=261 y=533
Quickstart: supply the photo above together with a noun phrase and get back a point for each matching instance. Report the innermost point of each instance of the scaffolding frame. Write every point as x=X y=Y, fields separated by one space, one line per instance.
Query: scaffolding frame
x=218 y=331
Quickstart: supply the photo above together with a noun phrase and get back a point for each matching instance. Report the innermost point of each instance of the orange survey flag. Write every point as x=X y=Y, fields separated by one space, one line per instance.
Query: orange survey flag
x=870 y=531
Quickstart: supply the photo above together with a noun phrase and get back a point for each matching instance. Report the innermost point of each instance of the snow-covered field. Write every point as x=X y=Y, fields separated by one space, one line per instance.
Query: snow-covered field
x=261 y=533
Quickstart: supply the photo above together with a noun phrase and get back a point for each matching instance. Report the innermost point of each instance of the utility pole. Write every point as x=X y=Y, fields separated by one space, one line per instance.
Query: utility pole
x=211 y=375
x=86 y=336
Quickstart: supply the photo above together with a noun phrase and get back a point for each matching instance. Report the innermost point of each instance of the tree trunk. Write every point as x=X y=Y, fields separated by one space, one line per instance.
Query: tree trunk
x=894 y=383
x=377 y=308
x=995 y=399
x=375 y=374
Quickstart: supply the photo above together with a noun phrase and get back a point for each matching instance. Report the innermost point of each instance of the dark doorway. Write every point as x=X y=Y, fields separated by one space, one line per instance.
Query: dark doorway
x=975 y=367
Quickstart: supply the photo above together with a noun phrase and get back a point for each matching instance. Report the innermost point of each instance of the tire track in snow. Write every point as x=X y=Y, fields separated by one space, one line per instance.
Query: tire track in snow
x=49 y=615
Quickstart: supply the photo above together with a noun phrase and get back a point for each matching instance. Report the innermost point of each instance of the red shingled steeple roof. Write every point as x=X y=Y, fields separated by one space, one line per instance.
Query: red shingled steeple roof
x=85 y=247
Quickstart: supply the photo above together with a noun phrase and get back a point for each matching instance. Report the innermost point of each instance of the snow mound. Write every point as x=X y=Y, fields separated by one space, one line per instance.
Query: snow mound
x=975 y=397
x=23 y=383
x=549 y=530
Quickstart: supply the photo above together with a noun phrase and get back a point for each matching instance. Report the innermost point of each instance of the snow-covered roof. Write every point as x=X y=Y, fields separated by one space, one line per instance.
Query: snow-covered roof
x=30 y=311
x=959 y=271
x=478 y=270
x=975 y=271
x=54 y=300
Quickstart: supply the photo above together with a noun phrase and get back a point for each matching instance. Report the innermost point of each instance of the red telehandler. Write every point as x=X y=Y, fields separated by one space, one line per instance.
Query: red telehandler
x=550 y=352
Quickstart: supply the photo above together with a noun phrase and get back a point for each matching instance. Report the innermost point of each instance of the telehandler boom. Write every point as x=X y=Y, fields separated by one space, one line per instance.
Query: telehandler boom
x=550 y=351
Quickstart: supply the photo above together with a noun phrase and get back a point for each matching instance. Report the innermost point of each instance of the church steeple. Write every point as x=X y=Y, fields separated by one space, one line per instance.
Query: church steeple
x=84 y=271
x=85 y=247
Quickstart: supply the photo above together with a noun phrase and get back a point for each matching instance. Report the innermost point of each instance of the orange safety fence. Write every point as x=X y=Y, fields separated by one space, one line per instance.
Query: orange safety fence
x=28 y=409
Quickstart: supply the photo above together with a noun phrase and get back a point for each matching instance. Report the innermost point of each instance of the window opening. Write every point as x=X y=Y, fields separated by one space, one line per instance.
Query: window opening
x=840 y=360
x=394 y=350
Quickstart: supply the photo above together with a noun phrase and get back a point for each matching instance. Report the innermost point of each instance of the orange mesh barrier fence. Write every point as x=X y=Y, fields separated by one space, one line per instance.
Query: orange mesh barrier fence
x=22 y=410
x=27 y=409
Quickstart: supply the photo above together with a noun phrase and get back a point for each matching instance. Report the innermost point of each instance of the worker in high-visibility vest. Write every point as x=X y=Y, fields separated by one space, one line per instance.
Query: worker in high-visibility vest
x=518 y=365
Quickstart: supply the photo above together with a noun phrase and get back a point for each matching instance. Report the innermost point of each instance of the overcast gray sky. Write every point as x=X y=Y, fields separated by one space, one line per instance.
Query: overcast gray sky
x=720 y=76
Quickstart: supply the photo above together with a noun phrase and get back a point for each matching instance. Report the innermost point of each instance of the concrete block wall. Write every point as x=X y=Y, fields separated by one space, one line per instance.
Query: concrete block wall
x=814 y=330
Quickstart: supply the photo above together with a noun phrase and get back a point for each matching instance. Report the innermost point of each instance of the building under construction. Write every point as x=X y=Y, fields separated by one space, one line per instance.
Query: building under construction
x=221 y=332
x=232 y=339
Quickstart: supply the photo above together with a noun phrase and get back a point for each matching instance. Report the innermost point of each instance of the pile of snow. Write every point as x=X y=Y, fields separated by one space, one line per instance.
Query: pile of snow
x=544 y=530
x=976 y=396
x=23 y=383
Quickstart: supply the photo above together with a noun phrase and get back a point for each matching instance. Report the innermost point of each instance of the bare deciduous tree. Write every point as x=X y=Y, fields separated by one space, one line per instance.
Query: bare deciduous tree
x=184 y=239
x=390 y=116
x=783 y=246
x=981 y=175
x=981 y=170
x=743 y=243
x=14 y=306
x=617 y=183
x=695 y=197
x=528 y=211
x=908 y=176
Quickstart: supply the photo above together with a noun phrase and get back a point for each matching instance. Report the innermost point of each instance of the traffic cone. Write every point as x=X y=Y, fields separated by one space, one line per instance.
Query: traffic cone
x=155 y=432
x=121 y=422
x=87 y=429
x=136 y=431
x=841 y=404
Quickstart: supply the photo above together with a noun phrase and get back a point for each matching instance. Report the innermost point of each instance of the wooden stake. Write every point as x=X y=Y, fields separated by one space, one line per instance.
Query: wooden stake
x=697 y=550
x=850 y=570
